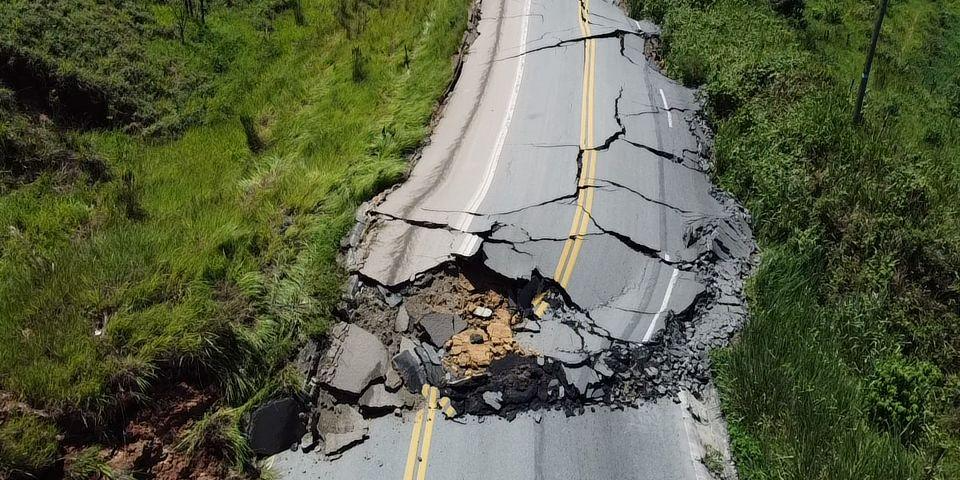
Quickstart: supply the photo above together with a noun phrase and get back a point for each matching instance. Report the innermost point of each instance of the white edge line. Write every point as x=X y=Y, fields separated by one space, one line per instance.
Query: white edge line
x=664 y=305
x=470 y=243
x=638 y=26
x=667 y=107
x=687 y=420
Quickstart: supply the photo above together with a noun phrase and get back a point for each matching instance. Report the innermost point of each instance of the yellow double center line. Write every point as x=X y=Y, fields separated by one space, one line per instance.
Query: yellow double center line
x=423 y=427
x=588 y=165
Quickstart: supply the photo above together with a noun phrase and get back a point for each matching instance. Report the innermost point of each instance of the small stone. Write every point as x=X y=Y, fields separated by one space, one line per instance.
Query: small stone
x=392 y=381
x=493 y=399
x=402 y=323
x=482 y=312
x=603 y=369
x=392 y=299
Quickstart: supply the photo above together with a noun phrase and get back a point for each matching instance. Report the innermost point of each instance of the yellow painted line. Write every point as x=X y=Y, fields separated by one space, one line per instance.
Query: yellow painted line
x=581 y=219
x=428 y=434
x=588 y=174
x=414 y=447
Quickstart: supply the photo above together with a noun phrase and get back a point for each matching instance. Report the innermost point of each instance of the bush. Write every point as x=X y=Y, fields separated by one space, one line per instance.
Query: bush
x=788 y=8
x=899 y=395
x=28 y=444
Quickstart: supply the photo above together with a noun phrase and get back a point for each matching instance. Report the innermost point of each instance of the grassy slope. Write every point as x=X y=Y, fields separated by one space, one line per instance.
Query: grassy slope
x=849 y=368
x=201 y=256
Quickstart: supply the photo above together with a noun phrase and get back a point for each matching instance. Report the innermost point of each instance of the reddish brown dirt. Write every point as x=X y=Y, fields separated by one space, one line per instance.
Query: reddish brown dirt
x=149 y=439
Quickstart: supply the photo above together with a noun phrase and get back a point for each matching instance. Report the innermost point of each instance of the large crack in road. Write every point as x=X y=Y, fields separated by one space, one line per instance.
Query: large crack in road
x=660 y=286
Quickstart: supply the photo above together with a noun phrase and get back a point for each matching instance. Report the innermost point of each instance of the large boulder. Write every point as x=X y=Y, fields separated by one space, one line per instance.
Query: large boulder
x=356 y=358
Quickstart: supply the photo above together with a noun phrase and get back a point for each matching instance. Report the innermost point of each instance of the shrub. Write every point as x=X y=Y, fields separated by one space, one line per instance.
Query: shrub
x=899 y=394
x=788 y=8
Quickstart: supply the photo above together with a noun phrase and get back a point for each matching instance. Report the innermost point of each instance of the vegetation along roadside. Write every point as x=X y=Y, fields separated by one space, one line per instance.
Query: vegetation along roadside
x=175 y=178
x=849 y=367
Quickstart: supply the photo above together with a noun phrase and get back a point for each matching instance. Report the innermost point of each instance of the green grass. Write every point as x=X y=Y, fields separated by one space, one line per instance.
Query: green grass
x=27 y=442
x=849 y=366
x=204 y=259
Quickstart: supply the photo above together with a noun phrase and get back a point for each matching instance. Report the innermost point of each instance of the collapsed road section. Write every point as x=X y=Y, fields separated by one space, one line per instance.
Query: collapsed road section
x=557 y=245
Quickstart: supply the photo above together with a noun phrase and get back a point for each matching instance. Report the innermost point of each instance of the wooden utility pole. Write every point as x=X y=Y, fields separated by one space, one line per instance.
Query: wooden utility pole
x=857 y=117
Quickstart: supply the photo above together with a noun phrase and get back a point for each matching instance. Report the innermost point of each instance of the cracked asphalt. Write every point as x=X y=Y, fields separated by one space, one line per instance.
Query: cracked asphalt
x=565 y=160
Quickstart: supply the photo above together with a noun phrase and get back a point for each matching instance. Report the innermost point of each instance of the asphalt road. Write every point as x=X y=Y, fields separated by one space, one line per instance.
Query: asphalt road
x=563 y=154
x=647 y=443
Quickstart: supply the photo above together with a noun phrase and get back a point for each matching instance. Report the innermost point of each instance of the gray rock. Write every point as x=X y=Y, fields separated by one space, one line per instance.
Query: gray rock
x=555 y=340
x=355 y=359
x=439 y=327
x=580 y=378
x=602 y=369
x=402 y=323
x=430 y=359
x=378 y=398
x=410 y=369
x=274 y=426
x=392 y=299
x=493 y=399
x=531 y=326
x=341 y=427
x=392 y=380
x=307 y=359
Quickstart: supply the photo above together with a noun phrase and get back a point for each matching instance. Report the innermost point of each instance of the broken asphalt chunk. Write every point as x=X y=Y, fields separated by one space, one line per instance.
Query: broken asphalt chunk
x=354 y=360
x=440 y=327
x=341 y=427
x=274 y=426
x=581 y=378
x=378 y=399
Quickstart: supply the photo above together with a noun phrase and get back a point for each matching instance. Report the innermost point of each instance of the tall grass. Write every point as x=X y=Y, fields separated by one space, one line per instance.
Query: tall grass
x=232 y=261
x=849 y=367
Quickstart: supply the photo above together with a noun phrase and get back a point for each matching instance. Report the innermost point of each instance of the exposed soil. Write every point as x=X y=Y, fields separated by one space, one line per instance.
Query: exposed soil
x=146 y=446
